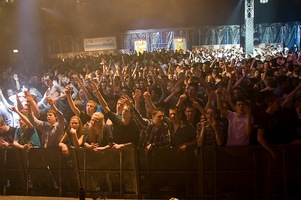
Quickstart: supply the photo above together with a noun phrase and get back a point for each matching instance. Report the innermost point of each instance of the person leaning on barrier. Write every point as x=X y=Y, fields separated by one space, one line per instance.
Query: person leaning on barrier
x=240 y=121
x=97 y=135
x=154 y=132
x=73 y=136
x=52 y=130
x=274 y=127
x=125 y=131
x=292 y=105
x=210 y=130
x=182 y=134
x=26 y=136
x=296 y=123
x=6 y=134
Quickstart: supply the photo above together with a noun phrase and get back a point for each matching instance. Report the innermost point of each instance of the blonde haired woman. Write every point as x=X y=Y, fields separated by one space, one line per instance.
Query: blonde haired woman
x=98 y=136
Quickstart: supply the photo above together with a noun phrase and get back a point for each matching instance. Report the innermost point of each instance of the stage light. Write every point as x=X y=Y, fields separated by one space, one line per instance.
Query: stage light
x=15 y=51
x=264 y=1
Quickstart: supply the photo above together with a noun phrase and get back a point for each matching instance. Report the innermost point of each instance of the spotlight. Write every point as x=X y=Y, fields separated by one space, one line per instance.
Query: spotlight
x=264 y=1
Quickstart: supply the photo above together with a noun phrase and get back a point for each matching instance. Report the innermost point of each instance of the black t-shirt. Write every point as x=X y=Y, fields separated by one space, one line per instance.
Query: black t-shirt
x=295 y=124
x=275 y=127
x=8 y=136
x=84 y=117
x=124 y=133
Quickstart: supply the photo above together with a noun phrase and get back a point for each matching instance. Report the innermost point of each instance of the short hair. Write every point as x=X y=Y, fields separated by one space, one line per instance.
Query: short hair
x=194 y=85
x=93 y=103
x=79 y=105
x=240 y=99
x=50 y=75
x=189 y=106
x=156 y=110
x=238 y=88
x=177 y=110
x=51 y=111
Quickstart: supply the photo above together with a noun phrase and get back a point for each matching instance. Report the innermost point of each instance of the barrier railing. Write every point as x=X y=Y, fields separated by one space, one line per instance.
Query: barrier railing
x=207 y=173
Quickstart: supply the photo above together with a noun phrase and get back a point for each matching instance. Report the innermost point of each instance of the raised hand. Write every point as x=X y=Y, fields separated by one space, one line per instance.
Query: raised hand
x=68 y=90
x=218 y=92
x=13 y=108
x=211 y=96
x=72 y=131
x=183 y=97
x=16 y=77
x=137 y=94
x=146 y=95
x=50 y=100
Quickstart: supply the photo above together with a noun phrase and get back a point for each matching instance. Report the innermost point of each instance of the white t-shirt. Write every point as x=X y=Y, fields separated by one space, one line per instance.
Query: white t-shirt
x=237 y=130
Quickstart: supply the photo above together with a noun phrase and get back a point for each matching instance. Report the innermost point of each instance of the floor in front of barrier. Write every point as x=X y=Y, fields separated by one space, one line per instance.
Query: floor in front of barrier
x=41 y=198
x=53 y=198
x=34 y=198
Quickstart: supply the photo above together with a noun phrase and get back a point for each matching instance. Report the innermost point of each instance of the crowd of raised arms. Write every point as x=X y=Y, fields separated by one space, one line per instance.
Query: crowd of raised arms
x=178 y=99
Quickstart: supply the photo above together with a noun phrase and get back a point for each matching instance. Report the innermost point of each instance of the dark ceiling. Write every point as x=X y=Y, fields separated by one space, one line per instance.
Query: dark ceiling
x=105 y=17
x=24 y=22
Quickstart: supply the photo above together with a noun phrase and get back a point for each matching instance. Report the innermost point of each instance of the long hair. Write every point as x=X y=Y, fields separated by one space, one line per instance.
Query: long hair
x=95 y=134
x=79 y=131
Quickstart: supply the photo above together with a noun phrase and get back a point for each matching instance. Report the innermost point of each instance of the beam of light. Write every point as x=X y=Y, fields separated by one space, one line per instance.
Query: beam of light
x=236 y=12
x=53 y=12
x=27 y=33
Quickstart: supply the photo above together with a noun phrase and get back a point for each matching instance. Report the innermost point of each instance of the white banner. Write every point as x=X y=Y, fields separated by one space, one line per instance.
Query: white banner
x=95 y=44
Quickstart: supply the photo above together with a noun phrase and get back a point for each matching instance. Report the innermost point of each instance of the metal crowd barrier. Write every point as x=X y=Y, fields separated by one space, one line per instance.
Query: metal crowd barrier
x=206 y=173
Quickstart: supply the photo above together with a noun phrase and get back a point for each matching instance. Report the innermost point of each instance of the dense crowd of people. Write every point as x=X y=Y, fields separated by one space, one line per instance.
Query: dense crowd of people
x=178 y=99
